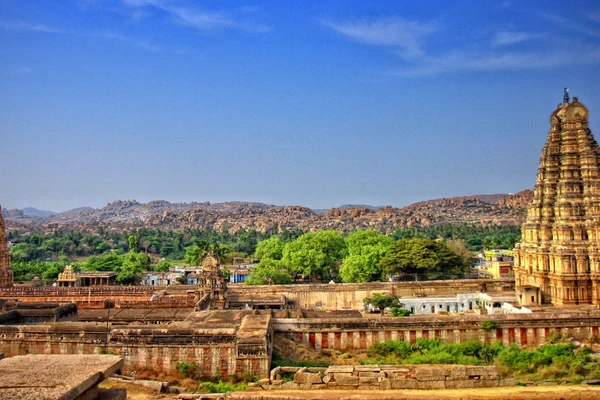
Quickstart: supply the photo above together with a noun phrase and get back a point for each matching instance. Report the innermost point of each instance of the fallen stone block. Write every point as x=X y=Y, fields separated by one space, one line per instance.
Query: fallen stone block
x=307 y=377
x=429 y=385
x=404 y=383
x=337 y=369
x=386 y=384
x=346 y=380
x=368 y=380
x=277 y=382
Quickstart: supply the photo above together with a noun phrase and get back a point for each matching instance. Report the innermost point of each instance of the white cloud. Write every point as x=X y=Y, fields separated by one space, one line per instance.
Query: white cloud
x=508 y=38
x=17 y=25
x=406 y=36
x=199 y=19
x=505 y=61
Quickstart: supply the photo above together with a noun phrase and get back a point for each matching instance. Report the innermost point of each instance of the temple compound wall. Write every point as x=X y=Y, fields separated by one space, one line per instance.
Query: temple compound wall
x=218 y=349
x=362 y=333
x=558 y=259
x=344 y=296
x=350 y=296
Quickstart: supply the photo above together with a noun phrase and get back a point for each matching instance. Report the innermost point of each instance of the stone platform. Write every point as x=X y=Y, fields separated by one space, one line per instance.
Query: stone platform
x=57 y=377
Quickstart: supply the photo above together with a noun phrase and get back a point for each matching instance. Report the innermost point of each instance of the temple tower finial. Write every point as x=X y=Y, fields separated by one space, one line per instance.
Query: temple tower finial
x=566 y=96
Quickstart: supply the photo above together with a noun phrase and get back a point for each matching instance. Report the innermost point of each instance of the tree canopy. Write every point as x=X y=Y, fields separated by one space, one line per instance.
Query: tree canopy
x=315 y=254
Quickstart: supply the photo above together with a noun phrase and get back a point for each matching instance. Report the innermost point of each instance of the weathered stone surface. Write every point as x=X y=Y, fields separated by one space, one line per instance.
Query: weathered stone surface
x=368 y=380
x=404 y=383
x=327 y=378
x=288 y=370
x=386 y=384
x=346 y=380
x=277 y=382
x=54 y=377
x=307 y=377
x=337 y=369
x=431 y=373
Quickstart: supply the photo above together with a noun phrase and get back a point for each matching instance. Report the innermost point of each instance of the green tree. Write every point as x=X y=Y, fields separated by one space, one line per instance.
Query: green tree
x=425 y=258
x=162 y=266
x=195 y=253
x=272 y=248
x=134 y=265
x=134 y=243
x=315 y=254
x=269 y=272
x=382 y=301
x=365 y=251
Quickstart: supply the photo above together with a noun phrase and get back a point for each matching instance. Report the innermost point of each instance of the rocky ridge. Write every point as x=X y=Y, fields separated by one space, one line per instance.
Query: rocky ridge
x=234 y=216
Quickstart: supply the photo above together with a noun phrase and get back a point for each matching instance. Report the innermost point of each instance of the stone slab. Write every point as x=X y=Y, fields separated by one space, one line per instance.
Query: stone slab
x=54 y=377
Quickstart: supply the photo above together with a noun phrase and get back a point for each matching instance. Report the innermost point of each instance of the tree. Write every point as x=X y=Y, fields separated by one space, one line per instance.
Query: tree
x=134 y=265
x=272 y=248
x=162 y=266
x=382 y=301
x=365 y=251
x=195 y=253
x=269 y=272
x=425 y=258
x=315 y=254
x=134 y=243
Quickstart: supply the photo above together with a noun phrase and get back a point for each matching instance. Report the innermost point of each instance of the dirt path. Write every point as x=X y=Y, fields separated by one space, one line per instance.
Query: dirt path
x=516 y=393
x=135 y=392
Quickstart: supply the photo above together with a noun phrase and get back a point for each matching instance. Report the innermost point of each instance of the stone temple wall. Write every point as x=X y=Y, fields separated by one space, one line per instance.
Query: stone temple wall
x=361 y=333
x=215 y=354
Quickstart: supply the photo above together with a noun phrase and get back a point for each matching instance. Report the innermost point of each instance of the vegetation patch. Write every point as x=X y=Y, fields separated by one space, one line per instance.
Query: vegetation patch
x=558 y=362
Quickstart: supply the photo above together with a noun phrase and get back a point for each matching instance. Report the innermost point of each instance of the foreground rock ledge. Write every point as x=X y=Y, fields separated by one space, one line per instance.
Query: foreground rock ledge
x=55 y=377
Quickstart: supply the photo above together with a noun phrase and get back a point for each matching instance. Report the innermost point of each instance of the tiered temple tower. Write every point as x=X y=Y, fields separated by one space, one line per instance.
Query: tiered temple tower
x=558 y=259
x=211 y=291
x=6 y=272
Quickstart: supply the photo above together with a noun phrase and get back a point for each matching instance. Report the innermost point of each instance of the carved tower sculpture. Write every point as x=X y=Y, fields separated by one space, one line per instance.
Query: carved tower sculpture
x=211 y=291
x=558 y=259
x=6 y=272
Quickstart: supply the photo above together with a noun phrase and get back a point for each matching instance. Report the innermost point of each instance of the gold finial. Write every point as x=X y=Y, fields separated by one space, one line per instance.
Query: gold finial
x=566 y=97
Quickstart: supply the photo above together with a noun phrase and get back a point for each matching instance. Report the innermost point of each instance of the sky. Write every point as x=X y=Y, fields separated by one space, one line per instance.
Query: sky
x=313 y=103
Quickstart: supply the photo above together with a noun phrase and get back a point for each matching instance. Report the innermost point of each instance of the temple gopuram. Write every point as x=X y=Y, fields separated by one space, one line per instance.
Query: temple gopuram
x=558 y=259
x=6 y=272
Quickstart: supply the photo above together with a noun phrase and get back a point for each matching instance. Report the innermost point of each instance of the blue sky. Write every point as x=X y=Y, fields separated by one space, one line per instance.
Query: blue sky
x=316 y=103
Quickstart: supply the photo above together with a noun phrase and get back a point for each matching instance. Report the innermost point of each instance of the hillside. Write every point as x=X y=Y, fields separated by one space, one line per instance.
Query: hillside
x=500 y=209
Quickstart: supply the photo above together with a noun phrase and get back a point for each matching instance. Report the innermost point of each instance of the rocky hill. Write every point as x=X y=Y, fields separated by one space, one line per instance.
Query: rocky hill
x=501 y=209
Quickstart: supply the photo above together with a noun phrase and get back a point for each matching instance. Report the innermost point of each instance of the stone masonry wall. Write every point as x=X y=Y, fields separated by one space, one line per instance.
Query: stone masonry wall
x=386 y=377
x=349 y=296
x=156 y=349
x=361 y=333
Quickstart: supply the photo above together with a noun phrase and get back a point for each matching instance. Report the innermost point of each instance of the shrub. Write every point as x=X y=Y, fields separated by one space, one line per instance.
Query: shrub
x=489 y=325
x=221 y=387
x=186 y=370
x=399 y=312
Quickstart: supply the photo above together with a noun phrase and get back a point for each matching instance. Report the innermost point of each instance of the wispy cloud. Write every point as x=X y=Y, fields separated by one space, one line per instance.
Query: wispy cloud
x=23 y=26
x=567 y=24
x=19 y=71
x=595 y=16
x=507 y=38
x=18 y=25
x=503 y=61
x=200 y=19
x=406 y=36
